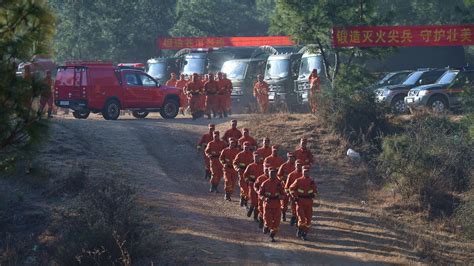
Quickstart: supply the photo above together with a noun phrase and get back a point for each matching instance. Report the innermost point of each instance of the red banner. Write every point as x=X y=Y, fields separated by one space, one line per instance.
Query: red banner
x=370 y=36
x=212 y=42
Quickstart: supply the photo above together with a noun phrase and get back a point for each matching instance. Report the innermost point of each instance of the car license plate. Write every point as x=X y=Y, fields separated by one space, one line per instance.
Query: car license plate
x=409 y=100
x=271 y=96
x=304 y=95
x=64 y=103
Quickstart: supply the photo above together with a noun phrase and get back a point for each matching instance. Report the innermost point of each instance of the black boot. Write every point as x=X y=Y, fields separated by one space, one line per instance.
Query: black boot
x=293 y=220
x=266 y=230
x=249 y=212
x=215 y=189
x=298 y=233
x=304 y=236
x=260 y=222
x=245 y=203
x=255 y=214
x=283 y=216
x=241 y=202
x=227 y=196
x=272 y=236
x=211 y=188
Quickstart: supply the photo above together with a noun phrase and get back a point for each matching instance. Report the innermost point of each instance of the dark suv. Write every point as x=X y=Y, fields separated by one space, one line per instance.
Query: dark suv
x=393 y=95
x=391 y=78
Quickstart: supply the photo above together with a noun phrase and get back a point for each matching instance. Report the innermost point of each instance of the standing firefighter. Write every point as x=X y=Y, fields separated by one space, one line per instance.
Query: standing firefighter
x=251 y=173
x=297 y=173
x=283 y=173
x=201 y=146
x=172 y=81
x=314 y=89
x=241 y=161
x=260 y=91
x=180 y=84
x=303 y=191
x=211 y=89
x=232 y=132
x=213 y=152
x=271 y=191
x=230 y=174
x=194 y=91
x=303 y=153
x=227 y=95
x=47 y=96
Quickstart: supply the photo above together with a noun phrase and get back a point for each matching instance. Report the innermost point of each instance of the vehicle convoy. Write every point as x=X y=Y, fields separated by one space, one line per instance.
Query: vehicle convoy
x=393 y=96
x=444 y=94
x=100 y=87
x=162 y=67
x=391 y=78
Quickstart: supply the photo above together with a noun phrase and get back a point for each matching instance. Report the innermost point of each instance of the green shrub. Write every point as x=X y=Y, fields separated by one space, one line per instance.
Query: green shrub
x=465 y=216
x=429 y=161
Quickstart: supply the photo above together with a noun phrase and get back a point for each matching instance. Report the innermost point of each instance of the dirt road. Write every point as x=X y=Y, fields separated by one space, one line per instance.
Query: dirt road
x=158 y=157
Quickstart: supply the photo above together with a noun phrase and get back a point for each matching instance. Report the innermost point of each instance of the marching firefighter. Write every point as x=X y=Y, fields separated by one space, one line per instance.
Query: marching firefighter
x=271 y=191
x=211 y=89
x=180 y=84
x=247 y=137
x=194 y=91
x=283 y=173
x=274 y=160
x=258 y=183
x=172 y=81
x=297 y=173
x=213 y=151
x=241 y=161
x=251 y=173
x=227 y=96
x=201 y=146
x=260 y=91
x=265 y=150
x=232 y=132
x=230 y=174
x=47 y=96
x=303 y=153
x=303 y=191
x=314 y=89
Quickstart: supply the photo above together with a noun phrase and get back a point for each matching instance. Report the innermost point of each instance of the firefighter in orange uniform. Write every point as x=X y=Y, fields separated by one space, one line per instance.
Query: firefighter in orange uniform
x=227 y=104
x=211 y=89
x=194 y=91
x=258 y=183
x=172 y=81
x=303 y=191
x=260 y=91
x=47 y=96
x=283 y=173
x=221 y=95
x=274 y=160
x=213 y=151
x=230 y=175
x=297 y=173
x=251 y=173
x=272 y=192
x=265 y=150
x=314 y=89
x=201 y=146
x=303 y=153
x=247 y=137
x=232 y=132
x=180 y=84
x=241 y=161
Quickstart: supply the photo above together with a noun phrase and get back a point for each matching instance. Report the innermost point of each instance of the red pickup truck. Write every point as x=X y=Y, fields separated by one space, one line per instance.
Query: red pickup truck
x=100 y=87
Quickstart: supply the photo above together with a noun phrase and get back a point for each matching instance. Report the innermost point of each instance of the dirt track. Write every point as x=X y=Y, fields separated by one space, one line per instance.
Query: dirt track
x=158 y=157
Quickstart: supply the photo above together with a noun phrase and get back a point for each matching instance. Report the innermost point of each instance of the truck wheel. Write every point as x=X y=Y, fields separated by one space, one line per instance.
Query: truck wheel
x=81 y=114
x=169 y=109
x=111 y=110
x=139 y=114
x=398 y=105
x=437 y=104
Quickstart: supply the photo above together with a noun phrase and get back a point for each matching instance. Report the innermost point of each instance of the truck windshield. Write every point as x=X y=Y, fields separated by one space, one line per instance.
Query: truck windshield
x=310 y=63
x=157 y=70
x=413 y=78
x=234 y=69
x=447 y=77
x=194 y=65
x=277 y=68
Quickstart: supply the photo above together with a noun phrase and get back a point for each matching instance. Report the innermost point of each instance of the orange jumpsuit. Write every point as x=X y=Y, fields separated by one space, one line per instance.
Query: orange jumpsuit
x=230 y=175
x=252 y=141
x=304 y=190
x=271 y=191
x=232 y=133
x=291 y=179
x=283 y=173
x=194 y=92
x=314 y=88
x=226 y=100
x=213 y=151
x=304 y=155
x=211 y=89
x=274 y=161
x=202 y=144
x=253 y=171
x=242 y=160
x=264 y=152
x=171 y=82
x=260 y=90
x=180 y=84
x=256 y=186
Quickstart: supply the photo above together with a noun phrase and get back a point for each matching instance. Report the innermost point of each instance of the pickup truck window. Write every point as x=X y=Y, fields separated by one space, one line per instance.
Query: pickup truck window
x=147 y=81
x=131 y=79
